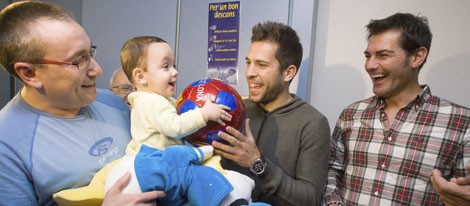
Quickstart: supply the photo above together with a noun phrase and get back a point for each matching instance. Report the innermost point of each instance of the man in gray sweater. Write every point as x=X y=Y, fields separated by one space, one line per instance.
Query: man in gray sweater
x=285 y=144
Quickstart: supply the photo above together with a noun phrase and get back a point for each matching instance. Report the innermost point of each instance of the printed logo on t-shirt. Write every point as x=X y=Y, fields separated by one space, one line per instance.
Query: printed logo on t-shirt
x=101 y=146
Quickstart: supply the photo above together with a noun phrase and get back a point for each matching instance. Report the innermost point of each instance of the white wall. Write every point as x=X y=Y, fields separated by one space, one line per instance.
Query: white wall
x=339 y=77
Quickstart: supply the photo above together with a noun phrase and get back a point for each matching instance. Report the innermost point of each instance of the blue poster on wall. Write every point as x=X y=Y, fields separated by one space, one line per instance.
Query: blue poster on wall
x=223 y=36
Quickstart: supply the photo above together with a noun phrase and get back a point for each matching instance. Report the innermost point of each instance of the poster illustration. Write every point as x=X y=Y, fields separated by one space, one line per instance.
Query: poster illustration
x=223 y=36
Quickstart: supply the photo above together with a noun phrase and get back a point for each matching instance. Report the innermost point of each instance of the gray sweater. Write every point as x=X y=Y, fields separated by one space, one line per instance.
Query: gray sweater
x=294 y=139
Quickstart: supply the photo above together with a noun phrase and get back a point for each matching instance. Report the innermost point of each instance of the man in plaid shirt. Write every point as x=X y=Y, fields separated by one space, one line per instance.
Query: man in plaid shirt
x=384 y=148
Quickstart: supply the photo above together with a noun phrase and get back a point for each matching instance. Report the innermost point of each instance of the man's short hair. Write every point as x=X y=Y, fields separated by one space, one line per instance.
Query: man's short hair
x=290 y=49
x=415 y=31
x=18 y=39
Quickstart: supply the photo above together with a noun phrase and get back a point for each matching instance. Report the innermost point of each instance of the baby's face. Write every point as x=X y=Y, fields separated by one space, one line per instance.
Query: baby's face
x=161 y=72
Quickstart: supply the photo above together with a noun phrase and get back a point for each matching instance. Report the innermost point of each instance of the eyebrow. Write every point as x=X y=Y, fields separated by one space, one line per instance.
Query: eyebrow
x=384 y=51
x=167 y=58
x=80 y=52
x=381 y=51
x=256 y=60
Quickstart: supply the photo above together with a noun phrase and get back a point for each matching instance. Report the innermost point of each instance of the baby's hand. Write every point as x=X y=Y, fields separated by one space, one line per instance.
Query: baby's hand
x=215 y=112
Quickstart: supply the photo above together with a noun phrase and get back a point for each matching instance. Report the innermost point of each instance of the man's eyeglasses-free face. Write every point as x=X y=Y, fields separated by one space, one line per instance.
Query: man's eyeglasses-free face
x=124 y=88
x=82 y=63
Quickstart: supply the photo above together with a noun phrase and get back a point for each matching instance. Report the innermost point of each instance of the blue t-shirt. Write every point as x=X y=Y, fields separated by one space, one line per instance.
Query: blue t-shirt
x=41 y=154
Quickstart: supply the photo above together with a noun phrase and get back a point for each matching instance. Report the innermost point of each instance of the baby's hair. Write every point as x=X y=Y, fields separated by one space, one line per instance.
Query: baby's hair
x=134 y=53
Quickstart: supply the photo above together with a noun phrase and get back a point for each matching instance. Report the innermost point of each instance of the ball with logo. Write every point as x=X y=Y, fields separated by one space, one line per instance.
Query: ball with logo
x=195 y=95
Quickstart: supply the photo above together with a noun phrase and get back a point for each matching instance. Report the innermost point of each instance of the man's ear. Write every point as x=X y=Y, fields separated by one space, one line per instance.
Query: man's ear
x=290 y=73
x=418 y=57
x=139 y=76
x=28 y=74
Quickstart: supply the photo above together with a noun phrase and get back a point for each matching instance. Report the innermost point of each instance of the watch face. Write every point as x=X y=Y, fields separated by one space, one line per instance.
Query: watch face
x=257 y=167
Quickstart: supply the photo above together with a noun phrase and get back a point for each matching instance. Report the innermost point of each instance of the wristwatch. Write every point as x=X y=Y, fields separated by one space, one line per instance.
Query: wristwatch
x=258 y=166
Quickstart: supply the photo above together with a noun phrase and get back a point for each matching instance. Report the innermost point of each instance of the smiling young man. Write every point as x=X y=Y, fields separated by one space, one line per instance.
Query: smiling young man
x=286 y=142
x=385 y=148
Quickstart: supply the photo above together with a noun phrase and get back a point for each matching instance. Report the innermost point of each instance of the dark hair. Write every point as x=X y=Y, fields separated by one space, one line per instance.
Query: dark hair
x=134 y=53
x=290 y=48
x=18 y=42
x=415 y=31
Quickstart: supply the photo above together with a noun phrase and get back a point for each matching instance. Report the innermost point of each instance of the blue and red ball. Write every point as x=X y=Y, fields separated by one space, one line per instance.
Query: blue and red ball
x=195 y=95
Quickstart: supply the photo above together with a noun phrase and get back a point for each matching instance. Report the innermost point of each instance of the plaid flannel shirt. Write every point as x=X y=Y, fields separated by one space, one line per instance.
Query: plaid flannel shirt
x=370 y=165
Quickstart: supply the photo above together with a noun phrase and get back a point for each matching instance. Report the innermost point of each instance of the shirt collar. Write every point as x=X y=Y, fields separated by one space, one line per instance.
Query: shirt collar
x=423 y=97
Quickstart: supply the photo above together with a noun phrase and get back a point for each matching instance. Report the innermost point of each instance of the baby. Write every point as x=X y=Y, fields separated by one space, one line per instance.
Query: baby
x=149 y=63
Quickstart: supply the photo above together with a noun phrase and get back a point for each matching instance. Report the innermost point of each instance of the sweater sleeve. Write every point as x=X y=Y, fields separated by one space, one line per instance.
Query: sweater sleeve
x=17 y=127
x=15 y=178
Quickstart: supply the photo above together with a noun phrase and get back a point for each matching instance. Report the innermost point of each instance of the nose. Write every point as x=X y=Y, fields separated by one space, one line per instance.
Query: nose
x=94 y=69
x=250 y=71
x=175 y=72
x=370 y=63
x=126 y=100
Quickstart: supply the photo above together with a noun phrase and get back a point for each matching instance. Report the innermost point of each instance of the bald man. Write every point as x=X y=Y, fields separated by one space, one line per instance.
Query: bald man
x=120 y=84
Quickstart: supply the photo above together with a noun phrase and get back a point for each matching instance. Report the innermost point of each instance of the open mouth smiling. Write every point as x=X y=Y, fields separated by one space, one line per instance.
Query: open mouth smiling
x=377 y=77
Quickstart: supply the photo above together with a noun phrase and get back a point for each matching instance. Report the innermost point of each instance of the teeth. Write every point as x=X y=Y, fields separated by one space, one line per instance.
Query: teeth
x=378 y=75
